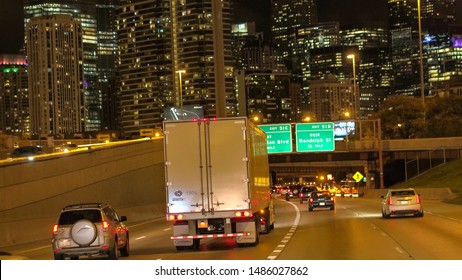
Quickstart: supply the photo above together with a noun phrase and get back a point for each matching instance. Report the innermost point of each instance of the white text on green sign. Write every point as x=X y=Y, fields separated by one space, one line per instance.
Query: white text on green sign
x=314 y=137
x=278 y=137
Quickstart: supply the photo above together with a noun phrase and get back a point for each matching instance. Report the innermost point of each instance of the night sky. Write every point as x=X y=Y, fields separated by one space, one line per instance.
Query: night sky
x=348 y=12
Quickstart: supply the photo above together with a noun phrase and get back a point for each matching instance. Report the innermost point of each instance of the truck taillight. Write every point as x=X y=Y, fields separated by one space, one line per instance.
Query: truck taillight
x=105 y=226
x=175 y=217
x=55 y=229
x=243 y=214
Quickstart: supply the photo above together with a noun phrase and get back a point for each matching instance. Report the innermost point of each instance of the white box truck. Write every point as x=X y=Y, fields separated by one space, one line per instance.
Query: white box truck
x=218 y=181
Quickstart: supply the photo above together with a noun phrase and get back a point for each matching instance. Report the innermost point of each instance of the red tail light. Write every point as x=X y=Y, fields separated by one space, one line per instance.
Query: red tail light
x=311 y=200
x=389 y=201
x=418 y=199
x=55 y=229
x=105 y=226
x=332 y=199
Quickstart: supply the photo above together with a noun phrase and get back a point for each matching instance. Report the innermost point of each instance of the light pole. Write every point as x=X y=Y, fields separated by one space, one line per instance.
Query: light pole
x=181 y=92
x=422 y=83
x=352 y=57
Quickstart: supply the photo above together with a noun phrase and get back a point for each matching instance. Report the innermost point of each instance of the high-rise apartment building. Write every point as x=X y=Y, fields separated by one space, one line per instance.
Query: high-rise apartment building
x=56 y=76
x=14 y=102
x=161 y=41
x=333 y=99
x=83 y=11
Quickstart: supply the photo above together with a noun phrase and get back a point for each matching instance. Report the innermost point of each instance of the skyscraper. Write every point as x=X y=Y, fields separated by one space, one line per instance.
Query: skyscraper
x=14 y=102
x=56 y=84
x=160 y=40
x=83 y=11
x=106 y=19
x=287 y=16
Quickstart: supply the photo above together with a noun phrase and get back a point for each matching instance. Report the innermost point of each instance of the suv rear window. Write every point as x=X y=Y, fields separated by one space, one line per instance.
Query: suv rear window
x=70 y=217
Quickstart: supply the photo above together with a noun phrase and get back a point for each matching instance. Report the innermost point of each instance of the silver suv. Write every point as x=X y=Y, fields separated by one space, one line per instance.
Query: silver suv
x=90 y=229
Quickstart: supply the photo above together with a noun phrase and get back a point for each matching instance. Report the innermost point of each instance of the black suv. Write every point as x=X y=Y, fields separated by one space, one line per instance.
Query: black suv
x=90 y=229
x=292 y=191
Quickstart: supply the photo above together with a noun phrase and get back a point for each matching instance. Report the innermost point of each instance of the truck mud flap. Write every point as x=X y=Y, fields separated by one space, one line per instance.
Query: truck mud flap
x=253 y=228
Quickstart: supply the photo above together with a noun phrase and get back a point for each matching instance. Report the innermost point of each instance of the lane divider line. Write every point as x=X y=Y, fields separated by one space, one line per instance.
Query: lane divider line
x=280 y=247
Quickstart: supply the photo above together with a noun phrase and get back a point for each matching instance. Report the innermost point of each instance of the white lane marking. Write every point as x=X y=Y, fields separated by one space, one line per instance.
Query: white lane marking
x=167 y=229
x=141 y=237
x=280 y=247
x=399 y=250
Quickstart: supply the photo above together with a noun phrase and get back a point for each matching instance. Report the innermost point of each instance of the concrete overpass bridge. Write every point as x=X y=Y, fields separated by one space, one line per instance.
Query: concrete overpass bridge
x=366 y=157
x=130 y=176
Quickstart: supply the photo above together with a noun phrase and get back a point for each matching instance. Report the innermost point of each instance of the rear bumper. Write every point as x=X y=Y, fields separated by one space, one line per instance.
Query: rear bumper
x=404 y=209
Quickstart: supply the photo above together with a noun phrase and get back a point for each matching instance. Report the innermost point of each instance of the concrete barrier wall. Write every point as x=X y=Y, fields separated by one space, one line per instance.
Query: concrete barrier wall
x=128 y=176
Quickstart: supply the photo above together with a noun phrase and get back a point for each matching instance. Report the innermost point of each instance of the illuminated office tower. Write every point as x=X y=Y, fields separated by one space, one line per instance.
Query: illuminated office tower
x=106 y=18
x=403 y=25
x=83 y=11
x=436 y=17
x=374 y=72
x=302 y=43
x=14 y=102
x=161 y=41
x=287 y=16
x=56 y=84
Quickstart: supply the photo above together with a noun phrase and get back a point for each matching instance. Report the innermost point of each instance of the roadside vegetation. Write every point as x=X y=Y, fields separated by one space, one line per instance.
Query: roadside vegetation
x=448 y=175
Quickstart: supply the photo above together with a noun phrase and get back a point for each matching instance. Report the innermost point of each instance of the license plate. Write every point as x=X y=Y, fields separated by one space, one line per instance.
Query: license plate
x=322 y=203
x=404 y=202
x=65 y=243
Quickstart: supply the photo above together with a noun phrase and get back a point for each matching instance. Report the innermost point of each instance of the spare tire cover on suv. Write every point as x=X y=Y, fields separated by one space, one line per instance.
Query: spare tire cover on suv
x=83 y=232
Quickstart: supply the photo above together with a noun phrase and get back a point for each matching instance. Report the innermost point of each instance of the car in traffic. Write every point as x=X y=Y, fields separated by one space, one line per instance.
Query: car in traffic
x=346 y=191
x=276 y=189
x=91 y=230
x=354 y=192
x=292 y=191
x=401 y=202
x=305 y=193
x=26 y=151
x=321 y=199
x=67 y=147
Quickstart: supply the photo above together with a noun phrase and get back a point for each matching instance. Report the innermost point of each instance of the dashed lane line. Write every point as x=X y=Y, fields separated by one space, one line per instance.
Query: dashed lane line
x=280 y=247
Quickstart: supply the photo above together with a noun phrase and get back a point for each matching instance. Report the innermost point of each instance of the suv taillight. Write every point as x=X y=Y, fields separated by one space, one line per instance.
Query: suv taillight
x=55 y=229
x=418 y=199
x=105 y=226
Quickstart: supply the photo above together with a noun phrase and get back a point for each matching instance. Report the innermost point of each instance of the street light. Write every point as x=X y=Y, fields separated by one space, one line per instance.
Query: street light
x=352 y=57
x=181 y=93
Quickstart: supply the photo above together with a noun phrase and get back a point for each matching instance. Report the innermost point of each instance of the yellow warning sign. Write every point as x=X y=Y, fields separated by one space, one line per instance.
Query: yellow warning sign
x=358 y=176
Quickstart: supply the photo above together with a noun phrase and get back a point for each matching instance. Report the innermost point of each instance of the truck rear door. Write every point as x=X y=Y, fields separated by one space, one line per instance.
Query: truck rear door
x=206 y=166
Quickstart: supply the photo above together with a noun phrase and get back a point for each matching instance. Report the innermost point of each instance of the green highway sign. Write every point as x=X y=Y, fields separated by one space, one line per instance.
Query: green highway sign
x=314 y=137
x=278 y=137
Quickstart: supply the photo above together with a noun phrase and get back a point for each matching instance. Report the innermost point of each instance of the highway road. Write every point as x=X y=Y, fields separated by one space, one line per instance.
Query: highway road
x=355 y=230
